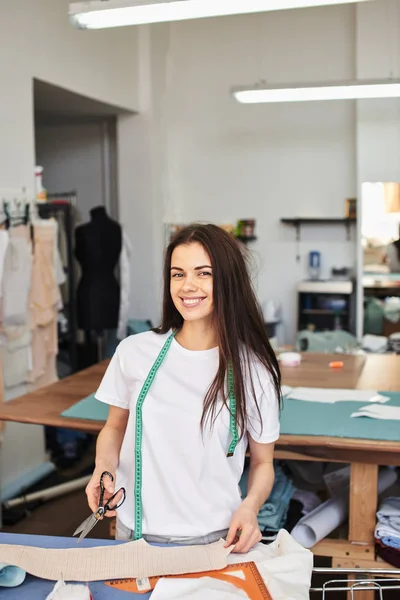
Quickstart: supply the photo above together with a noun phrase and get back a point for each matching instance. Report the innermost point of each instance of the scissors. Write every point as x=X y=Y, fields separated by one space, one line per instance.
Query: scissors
x=87 y=525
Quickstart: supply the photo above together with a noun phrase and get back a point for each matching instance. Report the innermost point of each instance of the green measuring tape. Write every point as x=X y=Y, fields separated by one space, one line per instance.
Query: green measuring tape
x=137 y=534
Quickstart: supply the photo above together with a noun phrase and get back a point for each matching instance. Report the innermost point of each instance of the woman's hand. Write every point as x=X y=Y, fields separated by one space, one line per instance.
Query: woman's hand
x=244 y=527
x=93 y=490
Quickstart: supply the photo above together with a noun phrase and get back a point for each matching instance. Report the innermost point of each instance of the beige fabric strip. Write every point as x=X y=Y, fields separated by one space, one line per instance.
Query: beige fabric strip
x=129 y=560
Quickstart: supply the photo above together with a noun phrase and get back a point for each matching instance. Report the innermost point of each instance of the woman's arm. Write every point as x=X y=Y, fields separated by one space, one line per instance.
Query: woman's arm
x=108 y=447
x=260 y=482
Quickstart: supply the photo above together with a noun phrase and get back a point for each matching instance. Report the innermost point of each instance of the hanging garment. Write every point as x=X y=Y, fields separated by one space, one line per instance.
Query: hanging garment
x=45 y=293
x=16 y=355
x=45 y=298
x=16 y=278
x=62 y=254
x=44 y=350
x=3 y=248
x=125 y=284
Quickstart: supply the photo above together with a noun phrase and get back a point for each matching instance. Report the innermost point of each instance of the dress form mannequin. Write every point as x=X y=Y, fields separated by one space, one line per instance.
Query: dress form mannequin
x=98 y=246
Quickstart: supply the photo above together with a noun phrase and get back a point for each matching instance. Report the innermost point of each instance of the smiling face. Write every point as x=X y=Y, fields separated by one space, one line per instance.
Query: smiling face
x=191 y=284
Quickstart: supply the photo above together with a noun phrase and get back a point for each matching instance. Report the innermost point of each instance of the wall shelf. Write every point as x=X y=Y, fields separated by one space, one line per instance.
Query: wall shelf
x=297 y=222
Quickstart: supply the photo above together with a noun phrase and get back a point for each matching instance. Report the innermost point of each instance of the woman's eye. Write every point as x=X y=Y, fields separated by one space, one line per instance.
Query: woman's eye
x=205 y=273
x=175 y=275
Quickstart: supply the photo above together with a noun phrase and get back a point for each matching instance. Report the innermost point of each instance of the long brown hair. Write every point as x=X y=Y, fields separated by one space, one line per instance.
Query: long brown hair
x=237 y=316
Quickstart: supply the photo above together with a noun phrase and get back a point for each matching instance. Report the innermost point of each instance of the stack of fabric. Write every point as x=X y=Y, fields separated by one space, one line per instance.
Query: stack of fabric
x=273 y=513
x=387 y=532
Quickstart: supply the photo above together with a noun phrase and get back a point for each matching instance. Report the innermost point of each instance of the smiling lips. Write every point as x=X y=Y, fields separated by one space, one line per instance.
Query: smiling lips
x=192 y=302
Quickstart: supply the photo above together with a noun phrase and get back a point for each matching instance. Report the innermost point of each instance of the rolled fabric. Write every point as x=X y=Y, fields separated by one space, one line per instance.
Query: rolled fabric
x=319 y=523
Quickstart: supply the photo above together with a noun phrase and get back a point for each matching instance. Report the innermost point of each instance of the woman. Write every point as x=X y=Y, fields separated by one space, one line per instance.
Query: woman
x=214 y=390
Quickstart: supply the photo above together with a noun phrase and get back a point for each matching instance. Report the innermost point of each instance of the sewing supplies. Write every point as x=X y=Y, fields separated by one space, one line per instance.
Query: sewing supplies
x=290 y=359
x=245 y=576
x=112 y=504
x=337 y=364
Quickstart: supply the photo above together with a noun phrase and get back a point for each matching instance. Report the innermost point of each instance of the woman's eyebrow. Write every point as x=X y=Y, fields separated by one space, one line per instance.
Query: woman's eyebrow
x=195 y=269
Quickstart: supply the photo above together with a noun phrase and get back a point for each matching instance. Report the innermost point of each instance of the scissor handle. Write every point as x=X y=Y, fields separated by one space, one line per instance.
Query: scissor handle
x=109 y=505
x=102 y=487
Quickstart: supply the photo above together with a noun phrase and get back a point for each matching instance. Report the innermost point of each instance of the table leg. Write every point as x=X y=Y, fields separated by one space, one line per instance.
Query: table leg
x=363 y=507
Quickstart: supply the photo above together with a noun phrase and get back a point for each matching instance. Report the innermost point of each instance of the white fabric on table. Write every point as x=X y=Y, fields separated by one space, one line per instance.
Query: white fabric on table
x=284 y=565
x=330 y=396
x=377 y=411
x=196 y=589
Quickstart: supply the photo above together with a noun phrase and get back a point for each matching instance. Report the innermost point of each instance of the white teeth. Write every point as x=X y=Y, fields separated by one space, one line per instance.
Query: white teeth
x=191 y=302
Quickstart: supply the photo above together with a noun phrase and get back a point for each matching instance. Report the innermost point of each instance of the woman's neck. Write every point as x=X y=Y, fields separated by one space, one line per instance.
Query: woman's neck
x=197 y=335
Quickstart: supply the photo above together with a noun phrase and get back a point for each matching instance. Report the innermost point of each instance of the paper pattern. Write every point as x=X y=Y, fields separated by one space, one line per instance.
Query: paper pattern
x=131 y=559
x=377 y=411
x=330 y=396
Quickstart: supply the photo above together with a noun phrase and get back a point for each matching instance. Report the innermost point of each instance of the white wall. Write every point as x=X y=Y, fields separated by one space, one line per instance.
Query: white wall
x=143 y=172
x=73 y=159
x=224 y=161
x=36 y=41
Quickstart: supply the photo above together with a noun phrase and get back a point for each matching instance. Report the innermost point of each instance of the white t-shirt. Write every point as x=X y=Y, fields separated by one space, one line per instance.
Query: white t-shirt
x=189 y=485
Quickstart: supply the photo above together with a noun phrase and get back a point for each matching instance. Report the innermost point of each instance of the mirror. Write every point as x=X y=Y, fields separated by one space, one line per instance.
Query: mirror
x=380 y=239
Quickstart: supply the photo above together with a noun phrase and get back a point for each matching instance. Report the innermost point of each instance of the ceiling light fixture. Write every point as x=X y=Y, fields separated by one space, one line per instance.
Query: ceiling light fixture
x=351 y=90
x=99 y=14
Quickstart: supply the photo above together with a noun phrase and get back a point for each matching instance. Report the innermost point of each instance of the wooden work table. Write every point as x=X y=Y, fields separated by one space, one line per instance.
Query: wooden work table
x=375 y=372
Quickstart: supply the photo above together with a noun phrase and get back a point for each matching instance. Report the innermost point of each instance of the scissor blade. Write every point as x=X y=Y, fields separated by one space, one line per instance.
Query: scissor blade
x=85 y=527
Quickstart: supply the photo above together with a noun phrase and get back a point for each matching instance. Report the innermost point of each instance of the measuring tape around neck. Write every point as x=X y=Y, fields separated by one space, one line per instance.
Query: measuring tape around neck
x=137 y=534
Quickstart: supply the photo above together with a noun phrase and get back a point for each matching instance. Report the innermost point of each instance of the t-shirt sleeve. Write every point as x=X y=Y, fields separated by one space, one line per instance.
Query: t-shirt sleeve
x=114 y=387
x=263 y=424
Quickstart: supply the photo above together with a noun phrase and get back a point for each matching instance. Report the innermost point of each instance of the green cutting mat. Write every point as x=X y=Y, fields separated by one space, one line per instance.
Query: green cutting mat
x=297 y=418
x=334 y=420
x=88 y=408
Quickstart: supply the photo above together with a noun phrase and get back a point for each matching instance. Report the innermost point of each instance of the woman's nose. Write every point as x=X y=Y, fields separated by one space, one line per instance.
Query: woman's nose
x=189 y=284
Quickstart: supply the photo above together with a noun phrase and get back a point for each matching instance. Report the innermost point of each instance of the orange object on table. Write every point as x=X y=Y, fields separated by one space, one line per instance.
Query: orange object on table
x=338 y=364
x=252 y=584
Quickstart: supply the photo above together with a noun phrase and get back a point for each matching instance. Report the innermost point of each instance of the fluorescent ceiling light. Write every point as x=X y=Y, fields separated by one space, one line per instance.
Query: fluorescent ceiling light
x=351 y=90
x=98 y=14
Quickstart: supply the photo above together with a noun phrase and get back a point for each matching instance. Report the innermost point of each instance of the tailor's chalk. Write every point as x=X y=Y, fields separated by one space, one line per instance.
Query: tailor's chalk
x=338 y=364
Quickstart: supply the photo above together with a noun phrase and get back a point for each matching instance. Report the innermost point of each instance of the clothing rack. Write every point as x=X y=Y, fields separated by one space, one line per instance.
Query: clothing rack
x=65 y=204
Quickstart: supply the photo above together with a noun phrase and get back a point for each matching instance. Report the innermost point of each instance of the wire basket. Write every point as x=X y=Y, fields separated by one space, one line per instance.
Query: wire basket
x=364 y=580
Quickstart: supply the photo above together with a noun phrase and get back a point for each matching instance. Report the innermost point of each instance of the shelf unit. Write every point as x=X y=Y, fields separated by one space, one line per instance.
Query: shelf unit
x=321 y=303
